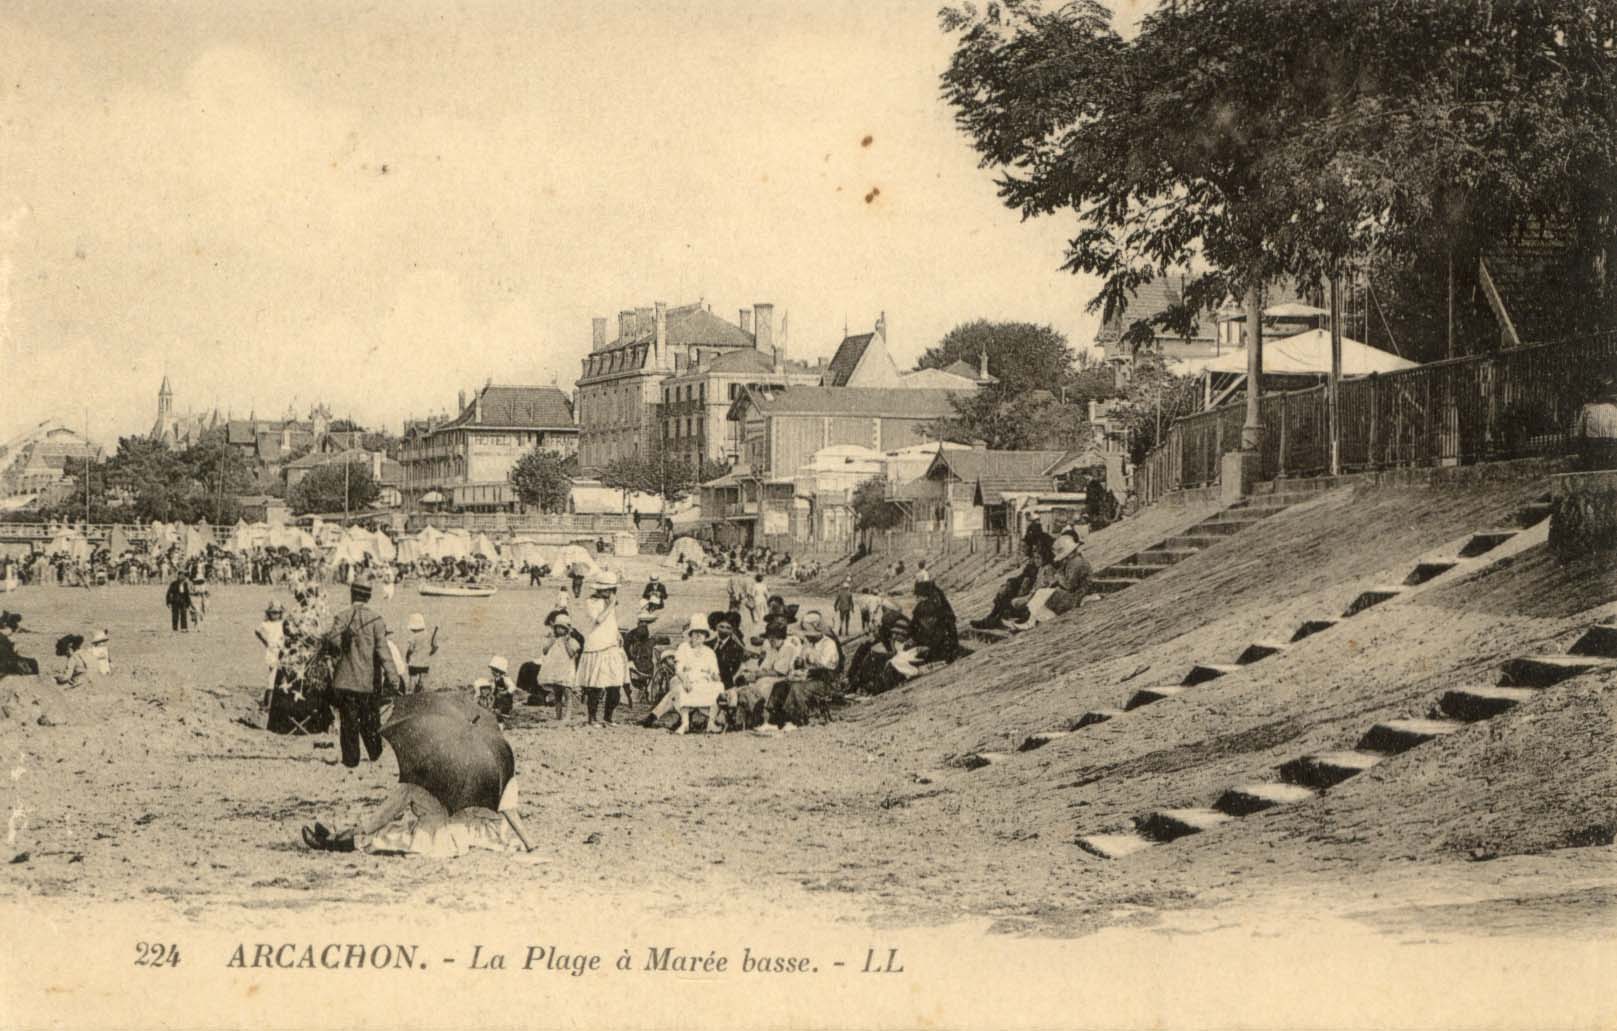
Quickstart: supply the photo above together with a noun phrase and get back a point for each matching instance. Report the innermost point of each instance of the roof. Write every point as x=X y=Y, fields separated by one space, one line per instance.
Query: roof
x=891 y=402
x=997 y=473
x=938 y=379
x=1150 y=300
x=961 y=367
x=1309 y=353
x=745 y=360
x=511 y=407
x=319 y=458
x=846 y=360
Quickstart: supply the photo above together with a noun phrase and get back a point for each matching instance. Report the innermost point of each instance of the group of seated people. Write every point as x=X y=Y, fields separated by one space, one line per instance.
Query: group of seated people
x=1054 y=579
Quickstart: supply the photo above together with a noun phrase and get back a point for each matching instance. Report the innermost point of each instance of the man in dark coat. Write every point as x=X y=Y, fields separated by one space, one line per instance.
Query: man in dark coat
x=729 y=650
x=178 y=600
x=364 y=666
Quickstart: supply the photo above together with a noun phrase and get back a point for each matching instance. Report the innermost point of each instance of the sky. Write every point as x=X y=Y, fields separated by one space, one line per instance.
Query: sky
x=375 y=205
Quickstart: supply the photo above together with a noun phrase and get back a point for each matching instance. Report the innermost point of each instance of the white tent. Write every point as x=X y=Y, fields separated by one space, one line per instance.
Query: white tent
x=384 y=547
x=197 y=539
x=1309 y=354
x=408 y=550
x=70 y=543
x=527 y=550
x=350 y=551
x=569 y=555
x=291 y=538
x=686 y=549
x=455 y=544
x=485 y=547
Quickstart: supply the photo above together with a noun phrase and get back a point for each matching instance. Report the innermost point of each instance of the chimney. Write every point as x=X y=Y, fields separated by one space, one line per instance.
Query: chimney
x=477 y=403
x=659 y=354
x=764 y=327
x=460 y=401
x=881 y=325
x=625 y=324
x=982 y=366
x=597 y=333
x=746 y=320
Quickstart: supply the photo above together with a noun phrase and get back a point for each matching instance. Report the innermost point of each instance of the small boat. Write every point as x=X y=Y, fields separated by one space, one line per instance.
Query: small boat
x=455 y=591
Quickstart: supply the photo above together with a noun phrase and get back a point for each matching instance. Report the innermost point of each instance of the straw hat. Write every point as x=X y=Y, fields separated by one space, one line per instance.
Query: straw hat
x=812 y=625
x=606 y=580
x=698 y=625
x=101 y=637
x=1063 y=546
x=647 y=614
x=499 y=663
x=418 y=621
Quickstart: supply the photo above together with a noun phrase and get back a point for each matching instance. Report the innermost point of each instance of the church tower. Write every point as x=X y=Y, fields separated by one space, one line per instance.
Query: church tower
x=163 y=427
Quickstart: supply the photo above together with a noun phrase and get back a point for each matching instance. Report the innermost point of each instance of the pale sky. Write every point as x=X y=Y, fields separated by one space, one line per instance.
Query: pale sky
x=377 y=204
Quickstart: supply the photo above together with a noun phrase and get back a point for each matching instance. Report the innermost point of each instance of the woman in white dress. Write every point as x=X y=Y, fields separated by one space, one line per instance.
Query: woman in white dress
x=603 y=668
x=696 y=683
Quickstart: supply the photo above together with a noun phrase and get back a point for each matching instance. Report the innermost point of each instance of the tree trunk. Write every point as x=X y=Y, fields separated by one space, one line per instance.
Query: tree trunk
x=1252 y=429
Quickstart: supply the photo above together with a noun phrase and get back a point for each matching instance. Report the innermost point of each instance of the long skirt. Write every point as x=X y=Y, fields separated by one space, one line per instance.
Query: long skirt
x=608 y=667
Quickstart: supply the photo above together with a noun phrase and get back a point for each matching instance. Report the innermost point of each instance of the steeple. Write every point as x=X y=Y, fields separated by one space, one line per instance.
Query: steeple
x=165 y=398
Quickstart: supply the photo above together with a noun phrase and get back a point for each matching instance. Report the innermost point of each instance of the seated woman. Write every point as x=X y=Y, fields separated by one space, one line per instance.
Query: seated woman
x=696 y=684
x=933 y=624
x=412 y=822
x=814 y=680
x=75 y=670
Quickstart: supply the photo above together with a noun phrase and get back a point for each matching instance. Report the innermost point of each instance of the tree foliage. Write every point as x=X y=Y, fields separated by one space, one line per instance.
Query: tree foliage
x=323 y=489
x=1034 y=367
x=871 y=509
x=544 y=479
x=144 y=480
x=1293 y=137
x=1152 y=400
x=1021 y=356
x=660 y=473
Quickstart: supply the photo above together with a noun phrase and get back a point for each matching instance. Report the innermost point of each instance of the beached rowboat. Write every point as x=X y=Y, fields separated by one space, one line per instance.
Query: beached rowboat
x=455 y=591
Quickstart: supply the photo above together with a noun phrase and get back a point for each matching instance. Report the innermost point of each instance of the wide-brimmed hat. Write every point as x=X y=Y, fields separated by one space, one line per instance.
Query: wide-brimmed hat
x=560 y=618
x=101 y=637
x=647 y=614
x=653 y=578
x=1063 y=546
x=360 y=590
x=606 y=580
x=698 y=625
x=499 y=663
x=418 y=621
x=812 y=624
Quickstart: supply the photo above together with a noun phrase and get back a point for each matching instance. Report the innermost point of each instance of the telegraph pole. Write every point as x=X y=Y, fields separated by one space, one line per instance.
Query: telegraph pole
x=1333 y=386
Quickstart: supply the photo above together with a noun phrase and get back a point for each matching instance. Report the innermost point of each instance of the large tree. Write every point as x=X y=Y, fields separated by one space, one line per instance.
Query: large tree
x=661 y=474
x=544 y=479
x=1291 y=137
x=336 y=487
x=1022 y=356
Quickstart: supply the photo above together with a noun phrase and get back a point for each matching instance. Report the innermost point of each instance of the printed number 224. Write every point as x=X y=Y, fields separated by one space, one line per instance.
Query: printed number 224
x=156 y=954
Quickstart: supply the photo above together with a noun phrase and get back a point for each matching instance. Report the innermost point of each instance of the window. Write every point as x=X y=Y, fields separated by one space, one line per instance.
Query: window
x=735 y=391
x=701 y=392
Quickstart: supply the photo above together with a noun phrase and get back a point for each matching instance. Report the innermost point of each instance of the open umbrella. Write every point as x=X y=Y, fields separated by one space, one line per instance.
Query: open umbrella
x=450 y=747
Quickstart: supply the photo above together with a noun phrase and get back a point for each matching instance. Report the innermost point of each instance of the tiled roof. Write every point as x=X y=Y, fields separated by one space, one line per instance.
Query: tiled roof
x=977 y=464
x=315 y=459
x=869 y=401
x=1151 y=300
x=846 y=360
x=970 y=371
x=748 y=359
x=512 y=407
x=937 y=379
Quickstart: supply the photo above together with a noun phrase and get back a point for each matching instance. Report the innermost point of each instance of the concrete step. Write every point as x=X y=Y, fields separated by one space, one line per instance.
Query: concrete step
x=977 y=760
x=1246 y=799
x=1392 y=737
x=1544 y=670
x=1532 y=514
x=1280 y=498
x=1173 y=824
x=1311 y=627
x=1425 y=571
x=1371 y=598
x=1192 y=542
x=1131 y=572
x=1041 y=739
x=1221 y=526
x=1246 y=511
x=1148 y=695
x=1600 y=639
x=1485 y=541
x=1162 y=556
x=1327 y=769
x=1111 y=585
x=984 y=636
x=1202 y=672
x=1094 y=716
x=1257 y=651
x=1482 y=703
x=1114 y=846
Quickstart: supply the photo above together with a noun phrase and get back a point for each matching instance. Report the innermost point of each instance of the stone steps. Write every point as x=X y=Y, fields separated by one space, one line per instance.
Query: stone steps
x=1246 y=799
x=1172 y=824
x=1327 y=769
x=1202 y=672
x=1094 y=716
x=1471 y=704
x=1219 y=526
x=1531 y=515
x=1149 y=695
x=1162 y=556
x=1425 y=571
x=1114 y=846
x=1040 y=739
x=1111 y=585
x=1371 y=598
x=1394 y=737
x=1544 y=670
x=1311 y=627
x=1125 y=571
x=1257 y=651
x=1598 y=640
x=1485 y=541
x=1191 y=543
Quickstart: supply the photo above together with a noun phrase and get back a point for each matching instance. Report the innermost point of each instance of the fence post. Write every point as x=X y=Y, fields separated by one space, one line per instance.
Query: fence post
x=1371 y=459
x=1280 y=471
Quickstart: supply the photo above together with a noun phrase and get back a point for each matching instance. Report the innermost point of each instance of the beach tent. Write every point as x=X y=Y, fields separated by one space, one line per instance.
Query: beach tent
x=686 y=549
x=384 y=548
x=408 y=550
x=570 y=555
x=455 y=544
x=117 y=542
x=348 y=551
x=162 y=536
x=532 y=552
x=292 y=538
x=485 y=547
x=197 y=540
x=70 y=543
x=1309 y=354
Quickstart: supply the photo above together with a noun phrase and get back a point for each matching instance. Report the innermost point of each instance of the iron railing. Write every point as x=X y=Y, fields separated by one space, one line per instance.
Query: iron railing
x=1510 y=404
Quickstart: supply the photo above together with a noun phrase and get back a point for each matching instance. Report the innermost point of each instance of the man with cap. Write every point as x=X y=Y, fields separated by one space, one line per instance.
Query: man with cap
x=418 y=652
x=843 y=607
x=358 y=640
x=637 y=646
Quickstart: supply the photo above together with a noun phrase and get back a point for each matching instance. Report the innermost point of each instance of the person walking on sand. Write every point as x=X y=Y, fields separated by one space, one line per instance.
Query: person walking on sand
x=178 y=600
x=271 y=633
x=603 y=668
x=418 y=652
x=364 y=665
x=844 y=607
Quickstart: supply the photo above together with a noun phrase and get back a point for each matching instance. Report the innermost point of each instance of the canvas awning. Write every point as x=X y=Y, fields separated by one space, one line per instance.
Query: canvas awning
x=1309 y=354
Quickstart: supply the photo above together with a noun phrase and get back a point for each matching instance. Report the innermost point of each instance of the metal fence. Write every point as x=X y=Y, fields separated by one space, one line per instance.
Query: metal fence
x=1512 y=404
